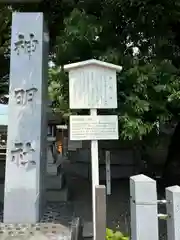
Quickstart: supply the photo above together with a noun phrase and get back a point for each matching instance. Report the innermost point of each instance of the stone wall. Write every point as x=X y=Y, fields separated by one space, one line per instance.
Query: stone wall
x=123 y=160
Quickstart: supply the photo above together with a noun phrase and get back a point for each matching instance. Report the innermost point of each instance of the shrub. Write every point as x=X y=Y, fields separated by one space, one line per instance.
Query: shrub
x=117 y=235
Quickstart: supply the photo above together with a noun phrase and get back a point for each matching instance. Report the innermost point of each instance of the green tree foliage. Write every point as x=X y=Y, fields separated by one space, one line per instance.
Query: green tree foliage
x=58 y=91
x=148 y=87
x=110 y=30
x=5 y=21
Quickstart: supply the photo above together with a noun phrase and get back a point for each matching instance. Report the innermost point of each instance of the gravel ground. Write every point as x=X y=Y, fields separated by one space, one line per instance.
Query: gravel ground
x=118 y=207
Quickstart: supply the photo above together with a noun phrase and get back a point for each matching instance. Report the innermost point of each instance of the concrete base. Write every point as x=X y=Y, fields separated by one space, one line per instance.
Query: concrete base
x=40 y=231
x=55 y=182
x=88 y=230
x=57 y=195
x=53 y=169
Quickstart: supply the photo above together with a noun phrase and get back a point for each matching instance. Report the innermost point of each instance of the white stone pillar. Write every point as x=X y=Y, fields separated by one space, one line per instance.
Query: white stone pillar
x=173 y=211
x=144 y=217
x=27 y=122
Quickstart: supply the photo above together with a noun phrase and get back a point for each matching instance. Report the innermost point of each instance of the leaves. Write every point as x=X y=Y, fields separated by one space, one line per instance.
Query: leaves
x=111 y=235
x=149 y=82
x=111 y=30
x=58 y=91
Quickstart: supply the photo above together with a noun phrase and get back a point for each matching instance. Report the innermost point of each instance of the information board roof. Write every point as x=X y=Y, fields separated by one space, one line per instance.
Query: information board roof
x=70 y=66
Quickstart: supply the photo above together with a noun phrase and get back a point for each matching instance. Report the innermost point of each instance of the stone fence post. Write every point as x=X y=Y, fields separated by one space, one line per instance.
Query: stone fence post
x=143 y=203
x=173 y=211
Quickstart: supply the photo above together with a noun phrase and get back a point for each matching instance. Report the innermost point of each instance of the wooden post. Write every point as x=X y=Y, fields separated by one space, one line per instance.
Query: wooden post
x=144 y=217
x=108 y=172
x=173 y=210
x=100 y=193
